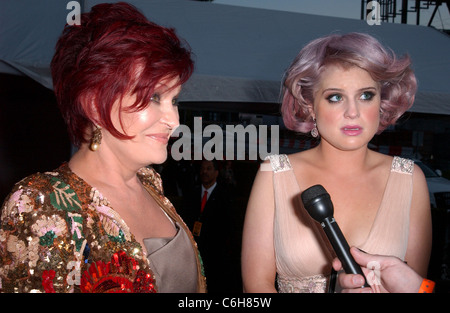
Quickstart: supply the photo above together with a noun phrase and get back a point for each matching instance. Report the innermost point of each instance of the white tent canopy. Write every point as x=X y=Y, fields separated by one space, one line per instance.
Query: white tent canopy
x=240 y=53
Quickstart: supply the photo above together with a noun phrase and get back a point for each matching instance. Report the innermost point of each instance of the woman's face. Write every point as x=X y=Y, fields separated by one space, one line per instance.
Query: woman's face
x=347 y=107
x=151 y=127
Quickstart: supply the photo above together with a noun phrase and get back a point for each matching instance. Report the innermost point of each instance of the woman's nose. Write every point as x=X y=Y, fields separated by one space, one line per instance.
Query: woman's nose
x=170 y=117
x=351 y=109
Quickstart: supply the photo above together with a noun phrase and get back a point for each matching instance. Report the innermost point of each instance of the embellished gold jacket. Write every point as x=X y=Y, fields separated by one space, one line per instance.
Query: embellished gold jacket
x=59 y=235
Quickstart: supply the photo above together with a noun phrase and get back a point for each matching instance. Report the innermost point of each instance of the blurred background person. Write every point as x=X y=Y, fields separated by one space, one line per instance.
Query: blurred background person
x=208 y=211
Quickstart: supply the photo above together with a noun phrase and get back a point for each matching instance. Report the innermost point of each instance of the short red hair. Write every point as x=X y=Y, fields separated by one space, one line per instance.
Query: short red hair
x=115 y=51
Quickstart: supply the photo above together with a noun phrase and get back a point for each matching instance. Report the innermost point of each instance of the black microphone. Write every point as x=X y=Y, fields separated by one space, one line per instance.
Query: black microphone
x=317 y=202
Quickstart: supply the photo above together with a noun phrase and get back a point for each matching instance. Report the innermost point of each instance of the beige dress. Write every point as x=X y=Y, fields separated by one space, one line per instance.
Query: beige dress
x=303 y=253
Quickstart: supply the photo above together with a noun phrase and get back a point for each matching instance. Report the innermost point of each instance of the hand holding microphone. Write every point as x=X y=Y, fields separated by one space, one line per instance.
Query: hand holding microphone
x=317 y=202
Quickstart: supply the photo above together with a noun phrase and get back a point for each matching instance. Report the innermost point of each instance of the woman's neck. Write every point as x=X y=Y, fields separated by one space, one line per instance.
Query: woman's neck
x=343 y=162
x=101 y=167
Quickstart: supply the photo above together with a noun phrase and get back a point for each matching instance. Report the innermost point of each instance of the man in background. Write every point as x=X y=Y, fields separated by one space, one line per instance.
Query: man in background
x=207 y=211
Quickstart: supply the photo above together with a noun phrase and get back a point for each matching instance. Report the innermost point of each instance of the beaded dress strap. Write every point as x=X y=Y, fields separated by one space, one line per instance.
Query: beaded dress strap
x=279 y=162
x=402 y=166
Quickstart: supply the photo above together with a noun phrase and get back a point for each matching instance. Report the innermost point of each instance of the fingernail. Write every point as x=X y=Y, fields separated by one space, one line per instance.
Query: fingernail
x=358 y=280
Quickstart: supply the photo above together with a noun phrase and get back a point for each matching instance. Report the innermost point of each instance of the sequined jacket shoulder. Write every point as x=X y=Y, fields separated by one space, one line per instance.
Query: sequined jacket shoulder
x=58 y=234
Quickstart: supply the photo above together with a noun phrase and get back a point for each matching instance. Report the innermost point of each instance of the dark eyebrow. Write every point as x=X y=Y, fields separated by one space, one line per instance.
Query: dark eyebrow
x=368 y=88
x=341 y=90
x=331 y=89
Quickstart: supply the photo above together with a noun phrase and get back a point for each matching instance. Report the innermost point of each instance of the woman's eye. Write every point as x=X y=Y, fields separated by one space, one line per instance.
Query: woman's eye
x=368 y=95
x=334 y=98
x=155 y=98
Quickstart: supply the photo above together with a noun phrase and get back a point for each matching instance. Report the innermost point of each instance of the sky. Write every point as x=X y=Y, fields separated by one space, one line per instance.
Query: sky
x=339 y=8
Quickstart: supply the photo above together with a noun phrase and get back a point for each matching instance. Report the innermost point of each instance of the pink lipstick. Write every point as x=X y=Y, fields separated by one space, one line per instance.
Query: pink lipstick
x=352 y=130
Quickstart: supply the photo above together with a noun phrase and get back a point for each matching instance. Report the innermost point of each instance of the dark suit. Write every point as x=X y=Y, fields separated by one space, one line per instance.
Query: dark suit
x=216 y=235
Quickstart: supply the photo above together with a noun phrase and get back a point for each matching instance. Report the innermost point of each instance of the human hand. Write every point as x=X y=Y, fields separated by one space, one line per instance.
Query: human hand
x=384 y=273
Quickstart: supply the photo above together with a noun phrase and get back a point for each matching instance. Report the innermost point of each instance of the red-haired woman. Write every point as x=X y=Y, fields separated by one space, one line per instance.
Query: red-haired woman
x=100 y=222
x=345 y=89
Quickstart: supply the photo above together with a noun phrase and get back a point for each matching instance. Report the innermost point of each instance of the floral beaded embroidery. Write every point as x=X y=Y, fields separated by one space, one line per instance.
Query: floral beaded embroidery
x=56 y=230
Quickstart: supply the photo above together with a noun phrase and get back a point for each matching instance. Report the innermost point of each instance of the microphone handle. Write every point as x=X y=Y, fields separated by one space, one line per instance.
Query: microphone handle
x=341 y=247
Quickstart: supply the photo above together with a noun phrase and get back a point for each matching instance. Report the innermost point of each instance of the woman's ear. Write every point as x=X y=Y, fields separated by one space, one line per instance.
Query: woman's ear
x=311 y=112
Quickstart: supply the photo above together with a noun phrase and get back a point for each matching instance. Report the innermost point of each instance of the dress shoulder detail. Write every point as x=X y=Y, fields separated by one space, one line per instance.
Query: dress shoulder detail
x=402 y=165
x=150 y=177
x=279 y=162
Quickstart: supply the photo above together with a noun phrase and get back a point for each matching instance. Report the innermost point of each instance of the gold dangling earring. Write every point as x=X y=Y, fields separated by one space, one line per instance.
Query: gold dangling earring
x=96 y=139
x=314 y=131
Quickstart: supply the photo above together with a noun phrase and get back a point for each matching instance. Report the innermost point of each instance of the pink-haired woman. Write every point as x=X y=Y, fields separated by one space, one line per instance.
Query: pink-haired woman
x=343 y=89
x=100 y=222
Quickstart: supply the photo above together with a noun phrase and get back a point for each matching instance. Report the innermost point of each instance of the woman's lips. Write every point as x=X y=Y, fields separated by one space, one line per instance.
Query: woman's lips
x=163 y=138
x=352 y=130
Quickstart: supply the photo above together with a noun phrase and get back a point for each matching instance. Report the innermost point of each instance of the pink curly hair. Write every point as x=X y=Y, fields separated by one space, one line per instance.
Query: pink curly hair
x=395 y=76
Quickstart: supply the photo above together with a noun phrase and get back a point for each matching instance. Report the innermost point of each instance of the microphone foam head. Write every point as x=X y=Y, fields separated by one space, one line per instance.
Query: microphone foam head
x=312 y=193
x=317 y=202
